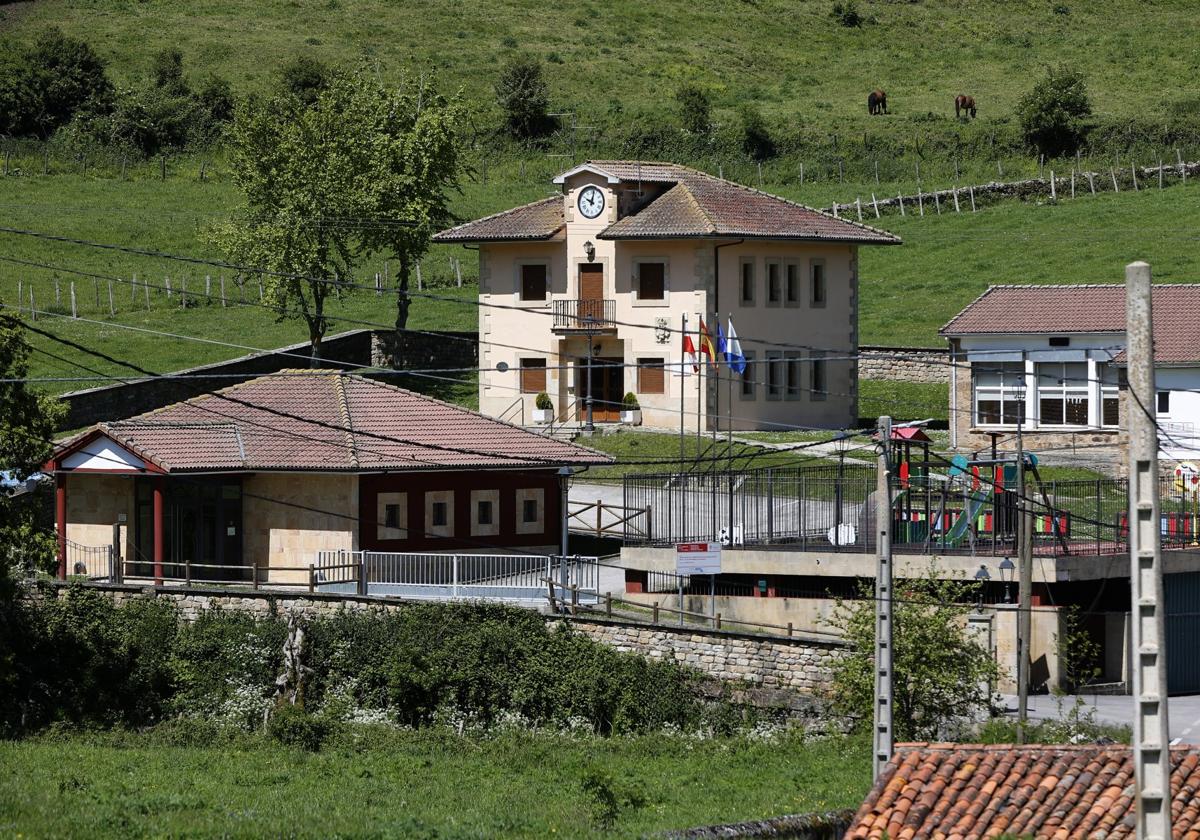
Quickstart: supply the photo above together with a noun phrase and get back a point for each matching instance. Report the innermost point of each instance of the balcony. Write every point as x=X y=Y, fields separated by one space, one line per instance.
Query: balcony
x=591 y=315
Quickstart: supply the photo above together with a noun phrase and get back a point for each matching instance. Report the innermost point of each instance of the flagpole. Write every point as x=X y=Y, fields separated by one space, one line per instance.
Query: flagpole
x=699 y=391
x=682 y=391
x=729 y=422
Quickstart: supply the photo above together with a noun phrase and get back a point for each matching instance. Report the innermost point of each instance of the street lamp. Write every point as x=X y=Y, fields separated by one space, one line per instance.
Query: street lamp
x=981 y=577
x=1007 y=567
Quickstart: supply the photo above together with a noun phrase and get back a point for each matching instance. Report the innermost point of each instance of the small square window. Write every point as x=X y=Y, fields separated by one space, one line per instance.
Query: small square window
x=1164 y=402
x=533 y=282
x=652 y=281
x=818 y=283
x=391 y=516
x=439 y=515
x=747 y=283
x=483 y=512
x=1060 y=341
x=529 y=511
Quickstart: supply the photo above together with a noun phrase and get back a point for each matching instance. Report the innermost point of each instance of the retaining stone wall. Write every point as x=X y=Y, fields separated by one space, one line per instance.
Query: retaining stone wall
x=414 y=351
x=904 y=364
x=773 y=670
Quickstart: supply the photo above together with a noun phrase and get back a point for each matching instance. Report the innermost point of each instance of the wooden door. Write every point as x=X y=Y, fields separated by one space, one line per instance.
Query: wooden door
x=591 y=292
x=606 y=385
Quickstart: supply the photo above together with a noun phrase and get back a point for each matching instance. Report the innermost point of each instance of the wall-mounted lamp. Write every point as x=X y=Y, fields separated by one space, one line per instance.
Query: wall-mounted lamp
x=1007 y=567
x=590 y=250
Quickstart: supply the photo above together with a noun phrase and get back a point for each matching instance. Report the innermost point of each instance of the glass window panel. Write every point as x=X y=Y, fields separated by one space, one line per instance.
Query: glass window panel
x=1051 y=411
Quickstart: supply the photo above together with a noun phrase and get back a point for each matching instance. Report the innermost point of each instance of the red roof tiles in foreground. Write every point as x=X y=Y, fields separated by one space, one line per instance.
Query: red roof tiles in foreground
x=329 y=421
x=1014 y=310
x=960 y=791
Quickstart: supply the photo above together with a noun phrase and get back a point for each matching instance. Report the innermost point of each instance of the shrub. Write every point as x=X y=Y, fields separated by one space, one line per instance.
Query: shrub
x=543 y=402
x=294 y=727
x=695 y=110
x=630 y=401
x=847 y=14
x=1053 y=115
x=304 y=77
x=43 y=86
x=756 y=138
x=525 y=99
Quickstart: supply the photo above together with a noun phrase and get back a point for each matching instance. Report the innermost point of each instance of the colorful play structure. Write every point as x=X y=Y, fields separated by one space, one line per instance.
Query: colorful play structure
x=957 y=503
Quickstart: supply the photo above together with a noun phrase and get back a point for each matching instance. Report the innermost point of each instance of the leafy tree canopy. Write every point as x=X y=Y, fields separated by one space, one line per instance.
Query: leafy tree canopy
x=43 y=85
x=695 y=109
x=942 y=672
x=305 y=77
x=525 y=99
x=1053 y=115
x=367 y=168
x=27 y=423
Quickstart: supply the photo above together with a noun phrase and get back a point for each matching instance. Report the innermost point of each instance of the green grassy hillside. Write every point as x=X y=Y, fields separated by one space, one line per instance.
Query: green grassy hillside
x=621 y=56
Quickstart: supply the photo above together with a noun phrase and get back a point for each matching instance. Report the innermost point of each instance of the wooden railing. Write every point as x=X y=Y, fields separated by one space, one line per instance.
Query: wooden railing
x=608 y=520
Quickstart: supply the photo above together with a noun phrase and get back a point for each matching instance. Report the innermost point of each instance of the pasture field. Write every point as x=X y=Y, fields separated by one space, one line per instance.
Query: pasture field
x=617 y=61
x=418 y=785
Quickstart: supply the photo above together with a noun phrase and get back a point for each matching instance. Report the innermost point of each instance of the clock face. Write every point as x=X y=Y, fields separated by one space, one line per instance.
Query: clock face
x=591 y=202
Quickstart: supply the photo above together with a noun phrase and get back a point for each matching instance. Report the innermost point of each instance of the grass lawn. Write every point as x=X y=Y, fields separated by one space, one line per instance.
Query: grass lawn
x=418 y=785
x=637 y=446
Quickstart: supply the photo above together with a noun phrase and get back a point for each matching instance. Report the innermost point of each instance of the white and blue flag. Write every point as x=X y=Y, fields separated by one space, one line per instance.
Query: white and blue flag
x=733 y=352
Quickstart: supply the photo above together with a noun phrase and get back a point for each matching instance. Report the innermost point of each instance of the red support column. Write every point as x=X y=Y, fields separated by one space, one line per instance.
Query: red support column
x=158 y=531
x=60 y=522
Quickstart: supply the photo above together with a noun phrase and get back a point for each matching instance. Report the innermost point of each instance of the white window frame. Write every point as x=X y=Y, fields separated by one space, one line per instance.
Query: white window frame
x=1111 y=390
x=636 y=297
x=1011 y=383
x=1055 y=382
x=518 y=281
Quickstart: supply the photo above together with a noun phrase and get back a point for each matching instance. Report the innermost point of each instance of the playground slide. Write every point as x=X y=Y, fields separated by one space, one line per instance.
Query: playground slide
x=976 y=502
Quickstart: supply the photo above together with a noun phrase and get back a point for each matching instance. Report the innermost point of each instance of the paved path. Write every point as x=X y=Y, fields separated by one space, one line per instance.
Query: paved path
x=1184 y=712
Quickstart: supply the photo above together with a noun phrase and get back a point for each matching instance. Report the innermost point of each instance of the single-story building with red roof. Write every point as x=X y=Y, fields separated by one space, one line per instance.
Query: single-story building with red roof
x=1060 y=792
x=250 y=482
x=1052 y=358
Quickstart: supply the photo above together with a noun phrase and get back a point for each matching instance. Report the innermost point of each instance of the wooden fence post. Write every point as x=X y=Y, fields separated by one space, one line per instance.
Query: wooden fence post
x=971 y=190
x=1133 y=172
x=900 y=198
x=1113 y=173
x=1160 y=173
x=608 y=604
x=222 y=290
x=654 y=620
x=146 y=290
x=1053 y=191
x=74 y=308
x=168 y=281
x=956 y=200
x=875 y=204
x=208 y=288
x=112 y=308
x=32 y=305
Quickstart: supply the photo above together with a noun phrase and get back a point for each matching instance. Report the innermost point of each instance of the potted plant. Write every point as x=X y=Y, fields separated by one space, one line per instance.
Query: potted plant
x=631 y=412
x=543 y=411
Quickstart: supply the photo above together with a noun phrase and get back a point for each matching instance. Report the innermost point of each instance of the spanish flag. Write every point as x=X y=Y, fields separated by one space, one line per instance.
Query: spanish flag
x=706 y=345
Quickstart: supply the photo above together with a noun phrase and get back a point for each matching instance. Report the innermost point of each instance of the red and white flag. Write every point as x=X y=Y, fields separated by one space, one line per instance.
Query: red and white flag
x=689 y=354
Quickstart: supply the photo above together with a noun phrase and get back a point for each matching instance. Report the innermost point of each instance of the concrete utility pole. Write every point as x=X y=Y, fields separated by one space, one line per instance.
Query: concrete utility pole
x=884 y=734
x=1024 y=573
x=1151 y=747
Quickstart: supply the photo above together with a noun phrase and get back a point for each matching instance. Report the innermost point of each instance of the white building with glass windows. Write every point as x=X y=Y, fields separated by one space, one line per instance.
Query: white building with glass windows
x=1051 y=358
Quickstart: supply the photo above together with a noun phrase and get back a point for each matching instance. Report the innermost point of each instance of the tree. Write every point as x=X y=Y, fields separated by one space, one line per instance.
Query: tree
x=695 y=110
x=942 y=673
x=756 y=137
x=166 y=70
x=43 y=85
x=305 y=77
x=365 y=169
x=1053 y=115
x=27 y=423
x=525 y=99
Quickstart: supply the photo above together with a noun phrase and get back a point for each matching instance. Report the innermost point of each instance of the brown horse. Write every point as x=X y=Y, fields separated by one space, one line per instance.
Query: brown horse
x=964 y=104
x=877 y=102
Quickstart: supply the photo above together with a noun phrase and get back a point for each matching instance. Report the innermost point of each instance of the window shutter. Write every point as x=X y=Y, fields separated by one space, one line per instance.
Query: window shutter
x=651 y=378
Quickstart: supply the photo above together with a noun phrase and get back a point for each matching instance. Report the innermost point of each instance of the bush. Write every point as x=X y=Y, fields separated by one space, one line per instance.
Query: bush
x=524 y=98
x=304 y=77
x=695 y=110
x=1054 y=114
x=756 y=138
x=543 y=402
x=847 y=14
x=294 y=727
x=43 y=86
x=630 y=401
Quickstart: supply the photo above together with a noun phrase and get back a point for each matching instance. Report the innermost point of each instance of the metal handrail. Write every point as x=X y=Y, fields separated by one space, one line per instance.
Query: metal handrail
x=518 y=402
x=585 y=313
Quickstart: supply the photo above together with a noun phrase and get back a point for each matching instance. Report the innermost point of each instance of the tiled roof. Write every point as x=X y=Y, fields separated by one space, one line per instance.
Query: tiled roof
x=538 y=220
x=329 y=421
x=699 y=205
x=958 y=791
x=1014 y=310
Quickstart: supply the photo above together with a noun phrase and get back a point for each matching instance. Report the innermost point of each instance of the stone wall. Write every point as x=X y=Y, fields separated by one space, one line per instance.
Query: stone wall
x=775 y=669
x=417 y=350
x=903 y=364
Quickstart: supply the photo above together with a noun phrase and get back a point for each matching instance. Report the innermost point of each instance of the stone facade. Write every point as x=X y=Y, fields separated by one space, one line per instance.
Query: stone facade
x=287 y=518
x=777 y=668
x=903 y=364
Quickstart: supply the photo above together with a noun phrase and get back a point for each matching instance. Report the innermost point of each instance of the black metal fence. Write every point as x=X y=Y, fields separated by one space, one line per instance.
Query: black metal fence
x=824 y=509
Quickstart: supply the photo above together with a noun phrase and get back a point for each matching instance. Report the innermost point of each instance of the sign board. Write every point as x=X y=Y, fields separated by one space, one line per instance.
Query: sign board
x=698 y=558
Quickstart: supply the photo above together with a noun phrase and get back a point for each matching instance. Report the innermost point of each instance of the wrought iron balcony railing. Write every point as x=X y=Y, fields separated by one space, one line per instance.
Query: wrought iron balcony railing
x=587 y=314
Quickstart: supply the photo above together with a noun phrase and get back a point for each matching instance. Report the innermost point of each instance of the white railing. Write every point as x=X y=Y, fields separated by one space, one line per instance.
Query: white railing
x=507 y=577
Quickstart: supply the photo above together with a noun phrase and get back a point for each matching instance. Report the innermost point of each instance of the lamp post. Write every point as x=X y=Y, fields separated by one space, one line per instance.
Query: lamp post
x=841 y=443
x=1007 y=567
x=981 y=577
